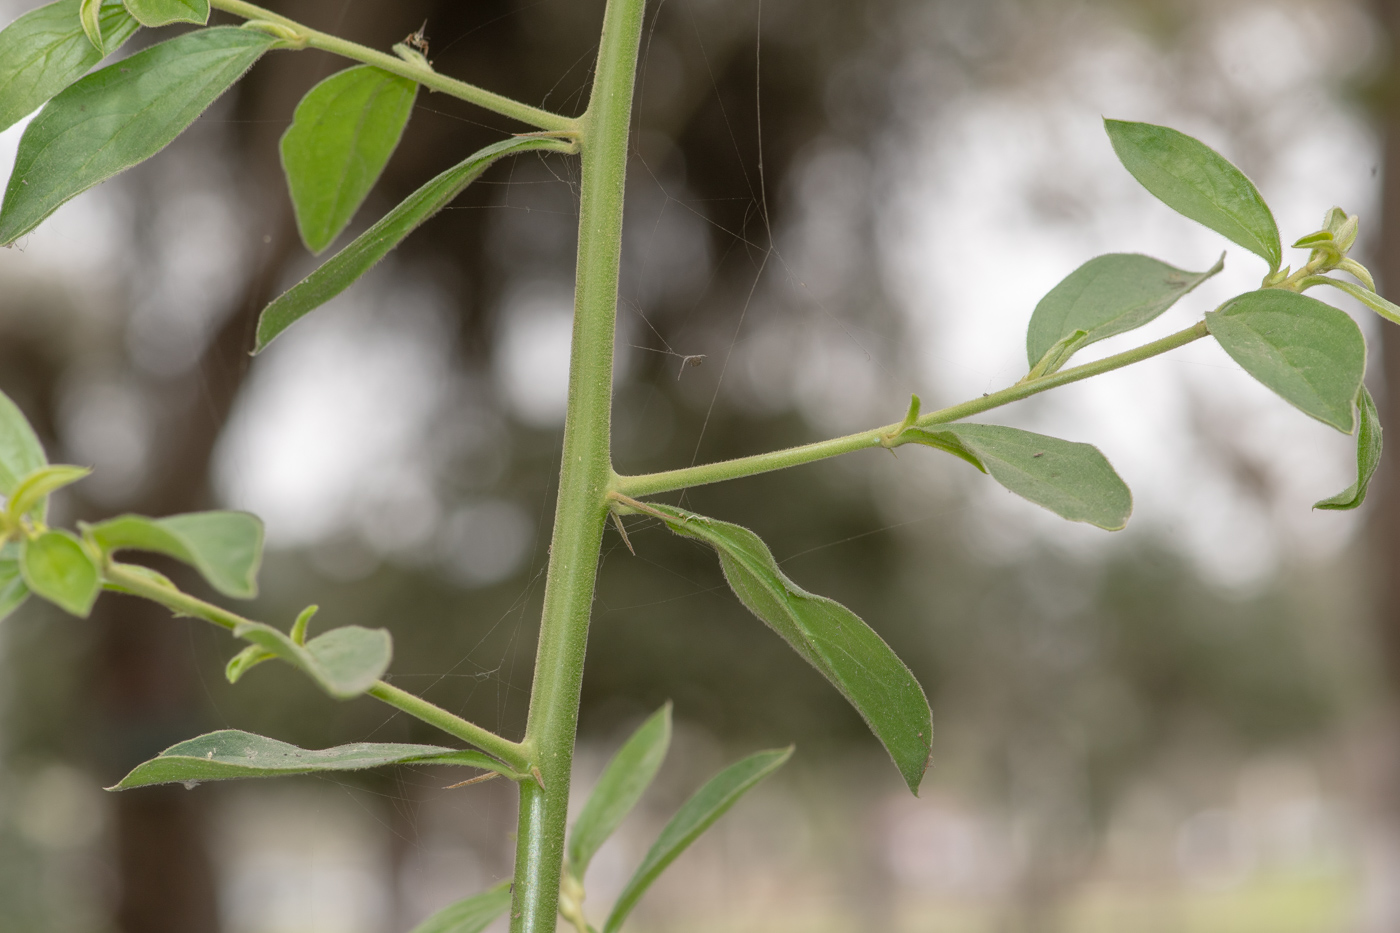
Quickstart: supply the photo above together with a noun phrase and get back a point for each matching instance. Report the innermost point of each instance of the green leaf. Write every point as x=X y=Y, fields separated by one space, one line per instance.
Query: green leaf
x=469 y=915
x=695 y=816
x=45 y=50
x=57 y=567
x=1193 y=179
x=341 y=270
x=90 y=14
x=1310 y=353
x=33 y=491
x=341 y=137
x=165 y=12
x=626 y=778
x=1075 y=481
x=1378 y=304
x=344 y=662
x=828 y=635
x=230 y=753
x=119 y=116
x=1108 y=295
x=13 y=592
x=225 y=547
x=1368 y=455
x=20 y=451
x=244 y=661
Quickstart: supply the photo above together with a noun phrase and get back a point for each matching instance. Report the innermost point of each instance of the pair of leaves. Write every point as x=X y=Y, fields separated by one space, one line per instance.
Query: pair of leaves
x=230 y=753
x=622 y=784
x=341 y=270
x=121 y=115
x=47 y=49
x=1195 y=180
x=345 y=662
x=1106 y=296
x=829 y=636
x=1073 y=480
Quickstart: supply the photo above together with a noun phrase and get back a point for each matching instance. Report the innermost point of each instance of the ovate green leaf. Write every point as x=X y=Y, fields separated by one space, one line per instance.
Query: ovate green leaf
x=32 y=492
x=165 y=12
x=1193 y=179
x=13 y=592
x=1309 y=352
x=342 y=269
x=1368 y=455
x=341 y=137
x=625 y=779
x=20 y=451
x=45 y=50
x=229 y=753
x=119 y=116
x=57 y=567
x=469 y=915
x=1108 y=295
x=225 y=547
x=832 y=639
x=695 y=816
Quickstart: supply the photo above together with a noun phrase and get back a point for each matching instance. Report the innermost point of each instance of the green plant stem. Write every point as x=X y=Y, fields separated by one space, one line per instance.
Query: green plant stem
x=650 y=484
x=585 y=472
x=136 y=583
x=423 y=74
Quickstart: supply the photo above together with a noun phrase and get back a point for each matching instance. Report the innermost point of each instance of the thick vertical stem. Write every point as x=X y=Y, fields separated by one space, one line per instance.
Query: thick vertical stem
x=584 y=476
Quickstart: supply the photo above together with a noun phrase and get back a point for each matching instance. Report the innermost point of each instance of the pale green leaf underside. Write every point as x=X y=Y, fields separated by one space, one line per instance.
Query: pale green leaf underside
x=1310 y=353
x=695 y=816
x=624 y=780
x=469 y=915
x=225 y=547
x=1195 y=180
x=829 y=636
x=13 y=592
x=1368 y=455
x=341 y=137
x=341 y=270
x=344 y=662
x=1108 y=295
x=230 y=753
x=56 y=567
x=119 y=116
x=1073 y=480
x=20 y=451
x=45 y=50
x=165 y=12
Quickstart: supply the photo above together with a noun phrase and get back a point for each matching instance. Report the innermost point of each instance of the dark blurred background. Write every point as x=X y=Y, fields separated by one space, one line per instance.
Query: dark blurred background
x=1186 y=726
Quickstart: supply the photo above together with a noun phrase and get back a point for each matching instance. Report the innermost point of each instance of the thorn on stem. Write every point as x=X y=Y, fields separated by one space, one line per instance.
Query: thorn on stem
x=480 y=778
x=617 y=520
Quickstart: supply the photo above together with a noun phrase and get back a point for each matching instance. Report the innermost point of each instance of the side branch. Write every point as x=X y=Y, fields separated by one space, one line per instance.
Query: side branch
x=421 y=73
x=135 y=582
x=651 y=484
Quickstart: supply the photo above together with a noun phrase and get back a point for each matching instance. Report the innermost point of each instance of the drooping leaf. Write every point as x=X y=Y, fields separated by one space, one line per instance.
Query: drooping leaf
x=13 y=592
x=695 y=816
x=57 y=567
x=165 y=12
x=32 y=492
x=471 y=914
x=344 y=662
x=1108 y=295
x=341 y=137
x=1310 y=353
x=624 y=780
x=225 y=547
x=121 y=115
x=20 y=451
x=230 y=753
x=829 y=636
x=342 y=269
x=1368 y=455
x=1195 y=180
x=1386 y=309
x=45 y=50
x=244 y=661
x=1073 y=480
